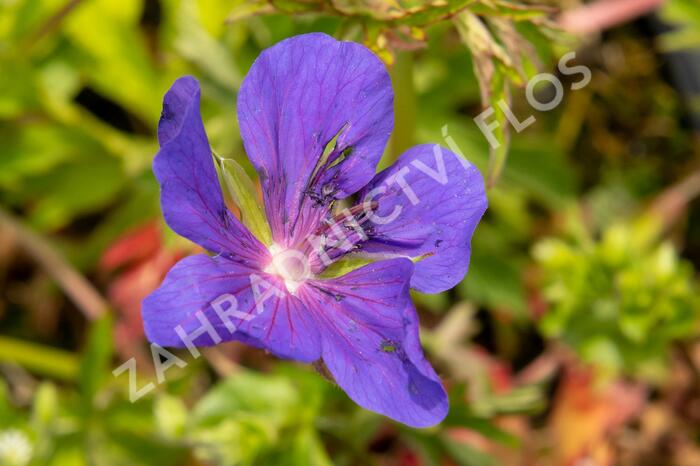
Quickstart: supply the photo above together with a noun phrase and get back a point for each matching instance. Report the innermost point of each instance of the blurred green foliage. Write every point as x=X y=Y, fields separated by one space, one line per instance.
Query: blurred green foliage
x=621 y=300
x=81 y=84
x=686 y=15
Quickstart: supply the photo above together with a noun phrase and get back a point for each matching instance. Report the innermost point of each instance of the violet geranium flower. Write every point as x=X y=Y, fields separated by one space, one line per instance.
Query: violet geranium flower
x=315 y=116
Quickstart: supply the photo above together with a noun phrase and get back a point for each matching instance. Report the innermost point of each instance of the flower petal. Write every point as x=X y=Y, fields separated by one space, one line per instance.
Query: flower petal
x=191 y=197
x=428 y=204
x=255 y=310
x=369 y=332
x=298 y=96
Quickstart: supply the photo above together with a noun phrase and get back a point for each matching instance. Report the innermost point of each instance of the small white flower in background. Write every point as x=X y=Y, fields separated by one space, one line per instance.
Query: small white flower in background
x=15 y=449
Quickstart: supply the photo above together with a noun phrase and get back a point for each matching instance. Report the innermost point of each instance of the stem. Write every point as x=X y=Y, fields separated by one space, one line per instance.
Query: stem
x=687 y=359
x=78 y=289
x=53 y=22
x=672 y=203
x=220 y=362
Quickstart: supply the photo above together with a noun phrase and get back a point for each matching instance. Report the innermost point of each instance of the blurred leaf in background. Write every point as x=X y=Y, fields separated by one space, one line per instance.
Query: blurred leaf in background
x=620 y=301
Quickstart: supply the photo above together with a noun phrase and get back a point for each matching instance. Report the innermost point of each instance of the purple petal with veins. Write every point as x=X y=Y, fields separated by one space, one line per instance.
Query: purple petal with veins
x=298 y=96
x=315 y=116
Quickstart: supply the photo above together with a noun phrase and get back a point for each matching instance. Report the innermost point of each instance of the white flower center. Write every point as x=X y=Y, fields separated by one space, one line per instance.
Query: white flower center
x=290 y=265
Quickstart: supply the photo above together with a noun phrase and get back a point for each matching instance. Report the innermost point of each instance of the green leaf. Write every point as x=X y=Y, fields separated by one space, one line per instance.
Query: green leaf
x=7 y=411
x=40 y=359
x=543 y=169
x=114 y=56
x=242 y=191
x=345 y=265
x=97 y=358
x=297 y=6
x=170 y=416
x=305 y=447
x=525 y=400
x=686 y=14
x=433 y=302
x=496 y=282
x=45 y=405
x=249 y=417
x=247 y=393
x=466 y=455
x=40 y=148
x=620 y=300
x=60 y=200
x=197 y=45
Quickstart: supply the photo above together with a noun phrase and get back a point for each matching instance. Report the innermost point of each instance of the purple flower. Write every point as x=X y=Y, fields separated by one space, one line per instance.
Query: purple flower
x=315 y=116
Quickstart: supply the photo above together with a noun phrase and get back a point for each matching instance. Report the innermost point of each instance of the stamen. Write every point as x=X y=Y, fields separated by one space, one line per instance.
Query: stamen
x=339 y=235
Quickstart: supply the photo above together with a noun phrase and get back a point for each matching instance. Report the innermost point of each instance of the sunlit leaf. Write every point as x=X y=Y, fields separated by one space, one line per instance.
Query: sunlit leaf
x=45 y=405
x=40 y=359
x=243 y=192
x=97 y=358
x=345 y=265
x=170 y=416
